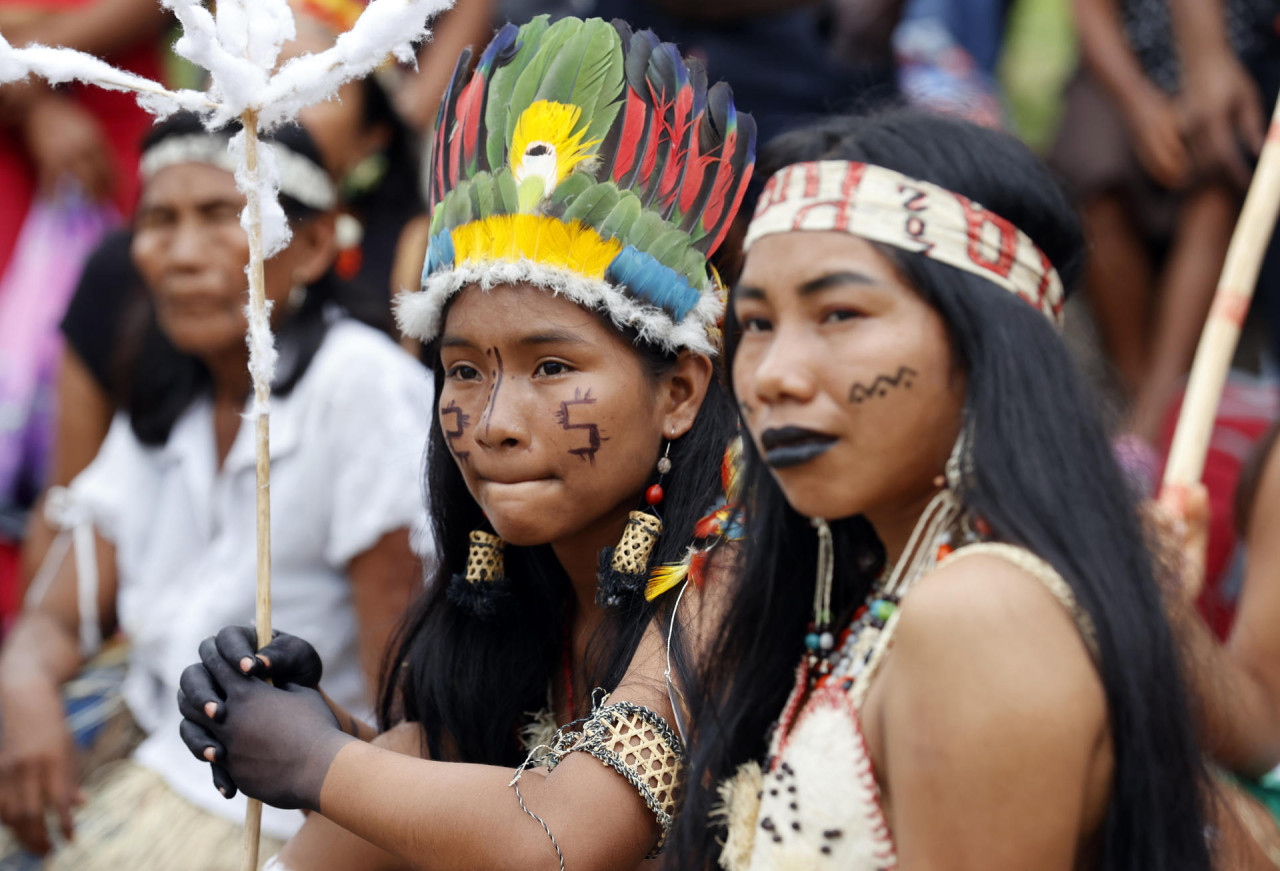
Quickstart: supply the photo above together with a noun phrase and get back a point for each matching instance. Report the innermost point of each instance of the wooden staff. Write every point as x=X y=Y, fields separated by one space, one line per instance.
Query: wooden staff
x=261 y=394
x=1226 y=317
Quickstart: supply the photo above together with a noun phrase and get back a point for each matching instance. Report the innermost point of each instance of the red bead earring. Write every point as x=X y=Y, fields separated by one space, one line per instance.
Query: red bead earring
x=654 y=494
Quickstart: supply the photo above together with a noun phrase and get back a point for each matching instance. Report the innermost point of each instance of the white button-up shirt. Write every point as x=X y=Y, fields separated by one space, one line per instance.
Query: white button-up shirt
x=347 y=449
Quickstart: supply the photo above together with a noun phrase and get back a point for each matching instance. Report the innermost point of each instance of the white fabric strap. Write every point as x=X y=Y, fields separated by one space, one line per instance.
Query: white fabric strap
x=881 y=205
x=74 y=524
x=300 y=178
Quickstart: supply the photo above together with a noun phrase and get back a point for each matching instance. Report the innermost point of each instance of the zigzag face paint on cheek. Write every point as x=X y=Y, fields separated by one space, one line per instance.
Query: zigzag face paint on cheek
x=882 y=384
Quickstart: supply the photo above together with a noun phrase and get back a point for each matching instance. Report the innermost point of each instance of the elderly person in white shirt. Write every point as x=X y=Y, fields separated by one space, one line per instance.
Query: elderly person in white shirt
x=170 y=502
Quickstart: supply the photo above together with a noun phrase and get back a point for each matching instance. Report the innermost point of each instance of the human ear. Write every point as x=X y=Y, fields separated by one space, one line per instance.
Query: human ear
x=684 y=389
x=313 y=248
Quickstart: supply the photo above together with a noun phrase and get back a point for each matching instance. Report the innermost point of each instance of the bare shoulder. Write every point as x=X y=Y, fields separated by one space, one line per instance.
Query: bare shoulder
x=984 y=621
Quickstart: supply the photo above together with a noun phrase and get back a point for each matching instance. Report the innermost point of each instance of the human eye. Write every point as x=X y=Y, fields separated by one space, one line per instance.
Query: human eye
x=463 y=372
x=837 y=315
x=754 y=324
x=551 y=368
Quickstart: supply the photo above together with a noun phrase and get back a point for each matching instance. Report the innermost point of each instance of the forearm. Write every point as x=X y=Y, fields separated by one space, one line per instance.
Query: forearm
x=1106 y=51
x=1240 y=717
x=1200 y=31
x=435 y=815
x=39 y=648
x=451 y=815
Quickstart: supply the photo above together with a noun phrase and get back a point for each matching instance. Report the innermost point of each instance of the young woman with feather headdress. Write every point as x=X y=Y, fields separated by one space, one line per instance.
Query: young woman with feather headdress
x=580 y=178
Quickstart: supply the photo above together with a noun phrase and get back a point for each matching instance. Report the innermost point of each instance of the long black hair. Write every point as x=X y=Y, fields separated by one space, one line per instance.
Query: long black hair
x=155 y=382
x=1043 y=477
x=472 y=683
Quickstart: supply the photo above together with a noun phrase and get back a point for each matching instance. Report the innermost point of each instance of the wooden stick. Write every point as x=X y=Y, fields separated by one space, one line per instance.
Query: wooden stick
x=1222 y=329
x=261 y=393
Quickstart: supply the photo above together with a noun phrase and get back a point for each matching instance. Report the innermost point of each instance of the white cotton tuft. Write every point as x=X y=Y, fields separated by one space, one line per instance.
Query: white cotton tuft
x=386 y=27
x=262 y=355
x=237 y=82
x=275 y=225
x=11 y=69
x=255 y=29
x=58 y=65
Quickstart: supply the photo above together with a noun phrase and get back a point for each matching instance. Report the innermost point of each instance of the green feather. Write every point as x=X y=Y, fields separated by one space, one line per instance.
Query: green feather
x=457 y=206
x=530 y=80
x=693 y=266
x=571 y=188
x=646 y=230
x=587 y=71
x=503 y=81
x=667 y=249
x=483 y=195
x=622 y=217
x=508 y=202
x=594 y=205
x=529 y=193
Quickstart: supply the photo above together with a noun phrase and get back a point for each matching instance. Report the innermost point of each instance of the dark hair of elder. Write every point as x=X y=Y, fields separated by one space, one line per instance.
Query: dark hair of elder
x=472 y=682
x=1044 y=478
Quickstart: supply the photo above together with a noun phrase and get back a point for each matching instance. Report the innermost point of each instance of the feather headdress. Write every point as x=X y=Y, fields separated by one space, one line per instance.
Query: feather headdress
x=591 y=161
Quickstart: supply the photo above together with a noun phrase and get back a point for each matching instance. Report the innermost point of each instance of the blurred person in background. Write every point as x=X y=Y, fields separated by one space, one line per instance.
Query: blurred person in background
x=166 y=508
x=68 y=161
x=1157 y=141
x=372 y=156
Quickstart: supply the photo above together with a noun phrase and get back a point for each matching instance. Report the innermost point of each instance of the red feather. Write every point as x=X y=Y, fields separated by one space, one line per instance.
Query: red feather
x=698 y=568
x=677 y=132
x=470 y=117
x=635 y=128
x=724 y=178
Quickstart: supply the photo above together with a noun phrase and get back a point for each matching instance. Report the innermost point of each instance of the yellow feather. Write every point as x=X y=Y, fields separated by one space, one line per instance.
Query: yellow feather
x=663 y=578
x=539 y=238
x=554 y=125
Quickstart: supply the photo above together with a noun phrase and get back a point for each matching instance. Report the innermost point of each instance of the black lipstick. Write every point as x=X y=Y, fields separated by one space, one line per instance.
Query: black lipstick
x=792 y=445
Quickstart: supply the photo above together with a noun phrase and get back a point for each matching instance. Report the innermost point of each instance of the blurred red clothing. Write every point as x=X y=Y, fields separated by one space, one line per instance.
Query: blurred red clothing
x=123 y=124
x=1248 y=408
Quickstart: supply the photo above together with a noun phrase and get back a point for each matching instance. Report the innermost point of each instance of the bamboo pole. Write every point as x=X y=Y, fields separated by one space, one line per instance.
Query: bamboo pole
x=1230 y=306
x=261 y=393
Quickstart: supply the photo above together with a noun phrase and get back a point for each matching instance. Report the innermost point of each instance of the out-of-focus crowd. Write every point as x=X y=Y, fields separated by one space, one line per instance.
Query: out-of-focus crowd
x=122 y=358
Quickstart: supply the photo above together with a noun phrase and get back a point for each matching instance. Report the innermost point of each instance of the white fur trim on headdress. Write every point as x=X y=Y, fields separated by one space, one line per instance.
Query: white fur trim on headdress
x=881 y=205
x=419 y=314
x=300 y=178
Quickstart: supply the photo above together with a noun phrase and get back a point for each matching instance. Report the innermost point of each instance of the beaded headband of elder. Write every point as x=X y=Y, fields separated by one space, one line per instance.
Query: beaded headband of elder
x=301 y=178
x=885 y=206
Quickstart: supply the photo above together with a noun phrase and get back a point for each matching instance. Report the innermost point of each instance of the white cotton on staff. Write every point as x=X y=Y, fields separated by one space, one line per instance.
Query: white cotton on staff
x=59 y=65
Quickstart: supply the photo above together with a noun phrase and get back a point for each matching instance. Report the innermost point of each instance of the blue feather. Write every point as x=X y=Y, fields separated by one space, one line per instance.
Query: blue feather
x=439 y=253
x=652 y=282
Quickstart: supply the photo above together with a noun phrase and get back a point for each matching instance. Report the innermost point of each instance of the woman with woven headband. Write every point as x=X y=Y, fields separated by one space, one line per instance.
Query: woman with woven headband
x=581 y=176
x=956 y=650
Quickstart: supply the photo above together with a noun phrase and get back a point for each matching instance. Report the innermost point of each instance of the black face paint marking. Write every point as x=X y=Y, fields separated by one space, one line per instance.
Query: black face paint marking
x=594 y=439
x=860 y=393
x=460 y=421
x=495 y=383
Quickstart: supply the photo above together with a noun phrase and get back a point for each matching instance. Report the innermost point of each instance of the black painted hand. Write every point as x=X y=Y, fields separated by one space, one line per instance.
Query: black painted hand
x=287 y=659
x=273 y=743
